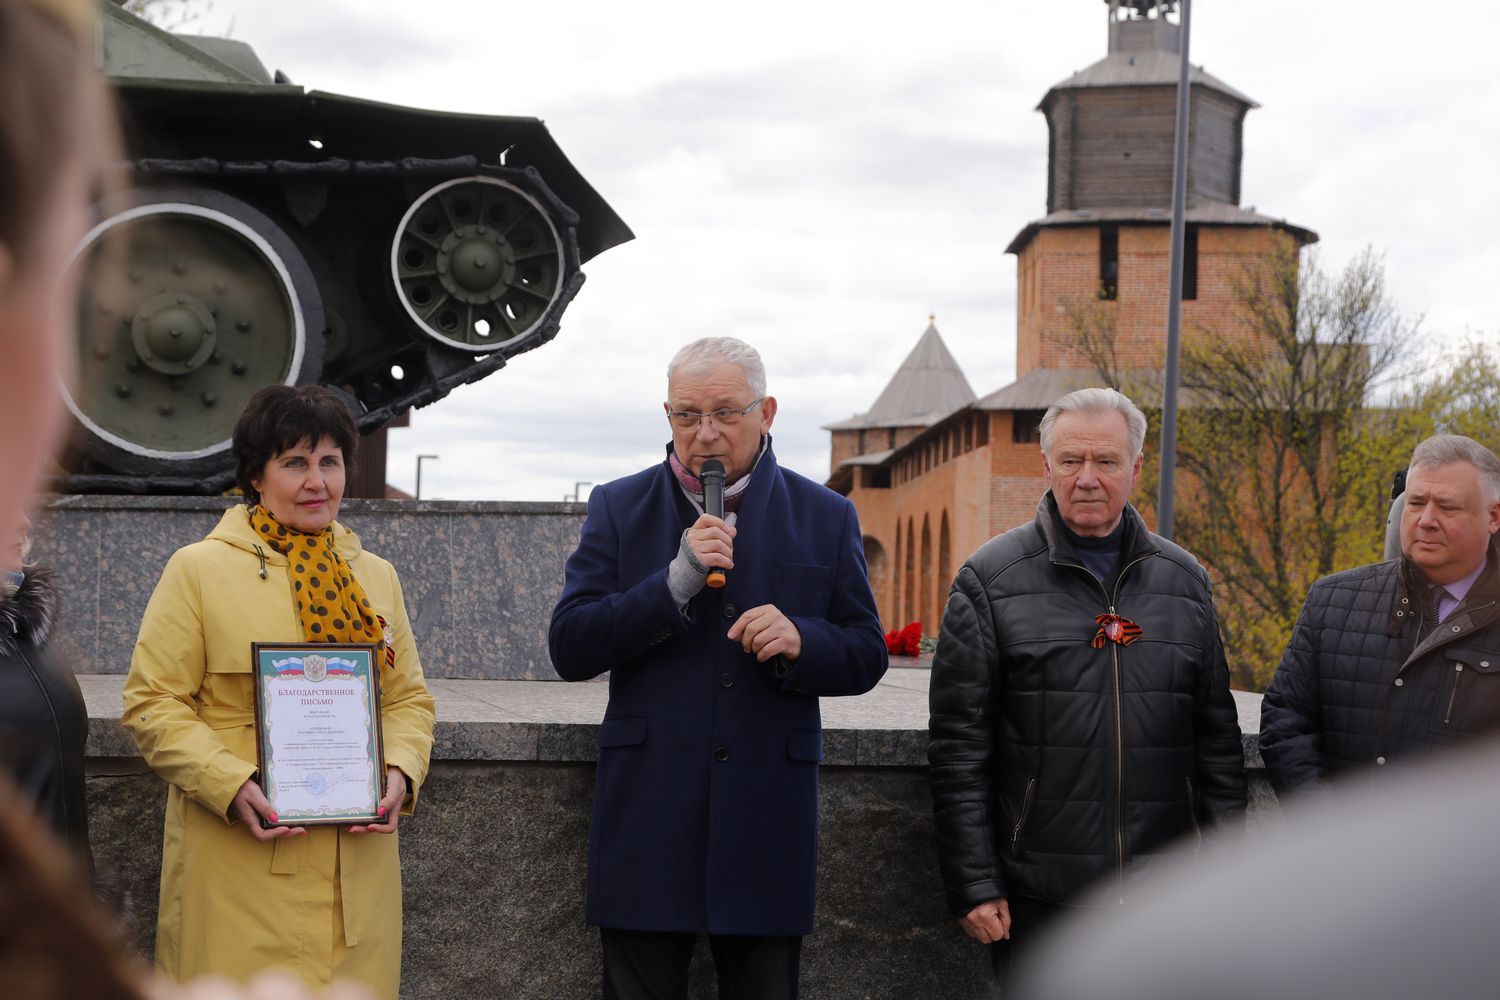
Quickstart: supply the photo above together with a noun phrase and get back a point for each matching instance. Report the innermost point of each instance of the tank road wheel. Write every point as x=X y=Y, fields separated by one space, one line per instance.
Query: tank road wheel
x=189 y=303
x=477 y=263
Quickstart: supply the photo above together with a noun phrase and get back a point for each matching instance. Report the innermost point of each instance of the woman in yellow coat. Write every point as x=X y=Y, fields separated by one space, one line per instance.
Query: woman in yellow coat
x=323 y=902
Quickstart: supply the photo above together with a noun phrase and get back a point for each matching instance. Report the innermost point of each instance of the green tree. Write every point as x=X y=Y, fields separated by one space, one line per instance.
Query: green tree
x=1463 y=397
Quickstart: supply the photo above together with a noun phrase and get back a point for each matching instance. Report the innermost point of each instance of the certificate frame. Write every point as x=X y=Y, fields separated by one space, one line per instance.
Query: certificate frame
x=293 y=782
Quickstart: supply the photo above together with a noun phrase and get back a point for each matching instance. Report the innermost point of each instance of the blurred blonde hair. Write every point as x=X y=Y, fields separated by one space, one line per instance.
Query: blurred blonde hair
x=54 y=109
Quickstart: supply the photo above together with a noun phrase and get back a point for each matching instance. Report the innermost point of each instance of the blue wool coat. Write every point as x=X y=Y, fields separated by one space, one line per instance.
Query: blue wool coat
x=706 y=794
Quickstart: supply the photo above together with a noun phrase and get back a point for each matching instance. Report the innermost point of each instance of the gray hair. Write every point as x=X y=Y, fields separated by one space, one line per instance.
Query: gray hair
x=710 y=352
x=1445 y=449
x=1097 y=400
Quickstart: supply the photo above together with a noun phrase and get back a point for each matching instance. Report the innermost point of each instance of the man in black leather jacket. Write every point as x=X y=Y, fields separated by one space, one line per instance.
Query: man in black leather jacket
x=1391 y=661
x=1081 y=715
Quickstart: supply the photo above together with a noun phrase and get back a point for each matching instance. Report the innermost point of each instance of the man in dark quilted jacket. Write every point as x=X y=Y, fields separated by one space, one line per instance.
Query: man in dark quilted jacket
x=1082 y=722
x=1393 y=661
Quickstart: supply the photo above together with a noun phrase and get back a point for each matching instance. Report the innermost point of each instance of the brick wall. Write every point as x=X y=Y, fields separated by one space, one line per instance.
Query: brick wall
x=967 y=473
x=1061 y=265
x=845 y=446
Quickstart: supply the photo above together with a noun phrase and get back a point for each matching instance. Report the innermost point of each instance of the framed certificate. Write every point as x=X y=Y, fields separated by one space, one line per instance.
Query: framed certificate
x=317 y=730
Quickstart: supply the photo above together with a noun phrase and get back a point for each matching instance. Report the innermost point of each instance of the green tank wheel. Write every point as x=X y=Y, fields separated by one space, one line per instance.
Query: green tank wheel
x=190 y=302
x=477 y=263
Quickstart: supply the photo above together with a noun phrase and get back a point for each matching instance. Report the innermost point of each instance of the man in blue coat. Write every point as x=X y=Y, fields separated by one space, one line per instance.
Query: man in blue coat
x=706 y=795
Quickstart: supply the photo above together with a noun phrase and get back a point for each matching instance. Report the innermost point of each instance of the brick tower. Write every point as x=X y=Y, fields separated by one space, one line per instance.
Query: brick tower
x=1105 y=237
x=1101 y=251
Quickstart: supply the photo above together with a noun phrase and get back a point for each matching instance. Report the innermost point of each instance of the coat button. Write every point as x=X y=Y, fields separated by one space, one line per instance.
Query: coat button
x=730 y=611
x=726 y=681
x=722 y=753
x=1399 y=682
x=1380 y=760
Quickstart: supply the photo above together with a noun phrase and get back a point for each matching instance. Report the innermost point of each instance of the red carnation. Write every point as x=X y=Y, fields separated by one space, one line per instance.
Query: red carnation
x=906 y=641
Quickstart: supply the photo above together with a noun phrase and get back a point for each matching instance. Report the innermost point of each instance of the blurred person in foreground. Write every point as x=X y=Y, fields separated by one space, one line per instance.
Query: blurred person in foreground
x=706 y=797
x=1081 y=715
x=323 y=902
x=1389 y=892
x=1391 y=661
x=56 y=136
x=55 y=946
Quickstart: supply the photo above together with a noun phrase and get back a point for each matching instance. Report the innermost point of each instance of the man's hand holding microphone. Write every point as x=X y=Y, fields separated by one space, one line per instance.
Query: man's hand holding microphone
x=705 y=557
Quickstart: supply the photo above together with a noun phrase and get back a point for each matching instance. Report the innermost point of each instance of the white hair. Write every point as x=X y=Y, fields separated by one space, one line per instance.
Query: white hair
x=1445 y=449
x=1097 y=400
x=710 y=352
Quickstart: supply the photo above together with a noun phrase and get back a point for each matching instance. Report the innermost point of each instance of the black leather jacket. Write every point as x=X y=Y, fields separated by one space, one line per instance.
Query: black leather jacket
x=1054 y=763
x=43 y=721
x=1365 y=683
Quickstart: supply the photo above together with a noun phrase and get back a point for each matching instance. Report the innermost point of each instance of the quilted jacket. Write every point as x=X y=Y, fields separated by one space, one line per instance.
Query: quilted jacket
x=1056 y=762
x=43 y=722
x=1364 y=682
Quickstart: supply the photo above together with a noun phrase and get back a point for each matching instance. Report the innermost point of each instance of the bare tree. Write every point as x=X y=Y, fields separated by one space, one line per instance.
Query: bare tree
x=1088 y=328
x=169 y=15
x=1280 y=445
x=1283 y=458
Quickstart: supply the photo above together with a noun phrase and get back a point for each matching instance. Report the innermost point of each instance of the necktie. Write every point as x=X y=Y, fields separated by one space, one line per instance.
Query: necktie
x=1435 y=610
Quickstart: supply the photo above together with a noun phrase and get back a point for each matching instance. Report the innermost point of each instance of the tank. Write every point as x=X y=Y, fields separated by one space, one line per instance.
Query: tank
x=274 y=234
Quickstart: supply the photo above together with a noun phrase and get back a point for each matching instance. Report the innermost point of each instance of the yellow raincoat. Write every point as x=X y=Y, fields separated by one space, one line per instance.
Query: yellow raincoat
x=325 y=905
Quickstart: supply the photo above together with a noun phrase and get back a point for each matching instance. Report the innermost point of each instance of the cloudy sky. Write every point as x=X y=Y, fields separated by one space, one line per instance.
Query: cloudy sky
x=816 y=177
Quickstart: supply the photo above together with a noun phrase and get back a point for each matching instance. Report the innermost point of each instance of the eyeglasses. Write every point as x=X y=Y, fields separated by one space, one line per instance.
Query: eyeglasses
x=727 y=417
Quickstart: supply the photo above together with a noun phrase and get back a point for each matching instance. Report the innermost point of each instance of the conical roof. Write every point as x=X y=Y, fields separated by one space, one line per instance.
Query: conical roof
x=928 y=386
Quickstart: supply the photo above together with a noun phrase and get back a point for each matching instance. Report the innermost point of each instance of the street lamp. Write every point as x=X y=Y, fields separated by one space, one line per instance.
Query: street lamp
x=420 y=460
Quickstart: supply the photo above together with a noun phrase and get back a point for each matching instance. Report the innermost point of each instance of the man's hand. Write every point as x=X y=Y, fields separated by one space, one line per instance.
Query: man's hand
x=766 y=632
x=988 y=922
x=711 y=542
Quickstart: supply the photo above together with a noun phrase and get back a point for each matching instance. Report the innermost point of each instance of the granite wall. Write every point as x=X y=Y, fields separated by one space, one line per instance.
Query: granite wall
x=493 y=870
x=493 y=866
x=480 y=578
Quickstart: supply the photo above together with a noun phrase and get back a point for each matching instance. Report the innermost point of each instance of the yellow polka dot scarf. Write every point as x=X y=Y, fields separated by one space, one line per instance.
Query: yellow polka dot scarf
x=331 y=605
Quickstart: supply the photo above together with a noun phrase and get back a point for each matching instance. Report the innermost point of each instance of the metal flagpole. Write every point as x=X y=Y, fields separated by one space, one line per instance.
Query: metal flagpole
x=1165 y=493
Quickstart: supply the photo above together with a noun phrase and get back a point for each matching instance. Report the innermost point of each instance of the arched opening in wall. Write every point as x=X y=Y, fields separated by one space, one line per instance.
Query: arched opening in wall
x=925 y=615
x=899 y=571
x=908 y=586
x=945 y=567
x=878 y=566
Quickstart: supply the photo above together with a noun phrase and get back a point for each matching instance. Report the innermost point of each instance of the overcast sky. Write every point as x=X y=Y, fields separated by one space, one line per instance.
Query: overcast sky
x=816 y=177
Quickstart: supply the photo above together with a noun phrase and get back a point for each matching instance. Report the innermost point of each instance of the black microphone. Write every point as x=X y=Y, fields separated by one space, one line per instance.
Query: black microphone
x=712 y=477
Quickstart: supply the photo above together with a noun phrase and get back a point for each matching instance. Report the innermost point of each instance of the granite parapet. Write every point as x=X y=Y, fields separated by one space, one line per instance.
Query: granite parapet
x=480 y=577
x=557 y=722
x=495 y=858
